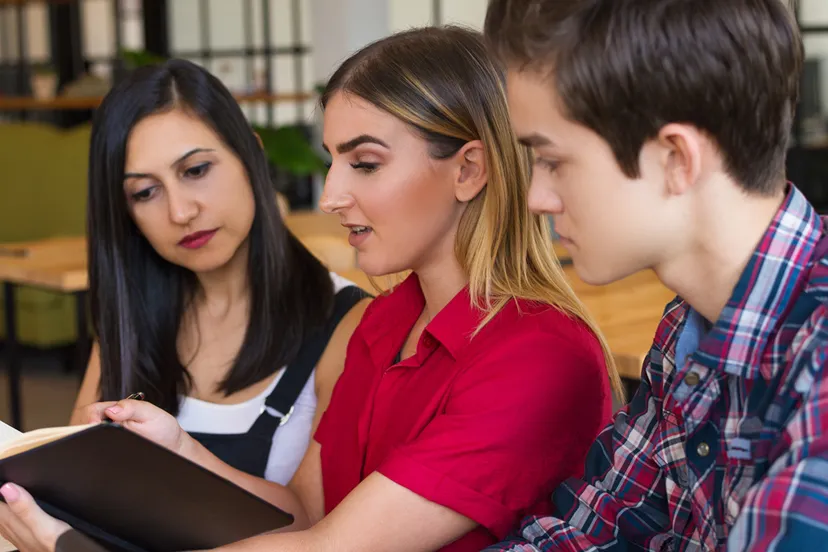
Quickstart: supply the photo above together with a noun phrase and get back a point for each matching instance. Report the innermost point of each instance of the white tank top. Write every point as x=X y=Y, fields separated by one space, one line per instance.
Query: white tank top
x=290 y=441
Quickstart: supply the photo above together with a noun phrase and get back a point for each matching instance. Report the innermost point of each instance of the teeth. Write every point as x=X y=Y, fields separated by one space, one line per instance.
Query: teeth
x=360 y=229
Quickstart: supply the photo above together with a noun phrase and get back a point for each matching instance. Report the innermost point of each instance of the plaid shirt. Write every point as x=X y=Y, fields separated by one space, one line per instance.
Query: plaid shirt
x=729 y=449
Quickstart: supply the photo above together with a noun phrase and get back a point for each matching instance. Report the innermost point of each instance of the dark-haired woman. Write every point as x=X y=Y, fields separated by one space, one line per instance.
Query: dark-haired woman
x=201 y=298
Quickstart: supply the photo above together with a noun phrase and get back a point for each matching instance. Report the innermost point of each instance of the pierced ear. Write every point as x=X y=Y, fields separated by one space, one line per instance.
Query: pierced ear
x=682 y=157
x=473 y=174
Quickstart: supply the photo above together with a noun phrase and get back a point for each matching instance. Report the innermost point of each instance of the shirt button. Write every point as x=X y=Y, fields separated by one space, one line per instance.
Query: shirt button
x=692 y=379
x=703 y=449
x=428 y=341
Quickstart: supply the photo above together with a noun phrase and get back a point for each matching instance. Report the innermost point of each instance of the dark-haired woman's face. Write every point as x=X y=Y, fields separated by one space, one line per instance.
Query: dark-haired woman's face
x=188 y=193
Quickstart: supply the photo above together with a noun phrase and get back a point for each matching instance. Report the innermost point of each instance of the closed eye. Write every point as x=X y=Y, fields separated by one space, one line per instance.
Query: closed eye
x=547 y=164
x=145 y=194
x=365 y=167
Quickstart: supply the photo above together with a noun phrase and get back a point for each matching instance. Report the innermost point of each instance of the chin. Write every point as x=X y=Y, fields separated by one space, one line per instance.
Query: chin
x=376 y=267
x=603 y=274
x=594 y=276
x=206 y=264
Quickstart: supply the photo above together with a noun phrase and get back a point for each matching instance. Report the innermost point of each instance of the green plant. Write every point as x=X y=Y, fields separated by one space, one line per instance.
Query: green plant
x=138 y=58
x=289 y=150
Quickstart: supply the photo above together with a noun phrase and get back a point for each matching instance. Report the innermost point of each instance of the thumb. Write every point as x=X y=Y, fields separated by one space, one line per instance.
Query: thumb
x=129 y=410
x=43 y=526
x=95 y=413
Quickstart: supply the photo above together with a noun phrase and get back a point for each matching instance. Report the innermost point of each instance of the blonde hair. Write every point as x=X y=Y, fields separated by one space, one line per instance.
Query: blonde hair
x=443 y=83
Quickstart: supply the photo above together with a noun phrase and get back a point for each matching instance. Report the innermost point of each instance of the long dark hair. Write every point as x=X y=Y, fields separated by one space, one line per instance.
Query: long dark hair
x=138 y=298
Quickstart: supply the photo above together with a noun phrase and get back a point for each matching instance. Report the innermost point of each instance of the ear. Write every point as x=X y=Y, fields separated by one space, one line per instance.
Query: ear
x=681 y=156
x=472 y=172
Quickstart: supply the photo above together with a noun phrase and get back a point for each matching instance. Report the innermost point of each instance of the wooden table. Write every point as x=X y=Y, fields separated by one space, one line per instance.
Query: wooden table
x=628 y=312
x=57 y=264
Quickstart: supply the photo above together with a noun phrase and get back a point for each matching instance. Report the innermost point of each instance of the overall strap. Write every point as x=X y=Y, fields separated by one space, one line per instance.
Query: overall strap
x=298 y=372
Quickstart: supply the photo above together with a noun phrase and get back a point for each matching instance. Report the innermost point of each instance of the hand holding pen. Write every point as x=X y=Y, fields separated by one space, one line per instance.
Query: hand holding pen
x=141 y=417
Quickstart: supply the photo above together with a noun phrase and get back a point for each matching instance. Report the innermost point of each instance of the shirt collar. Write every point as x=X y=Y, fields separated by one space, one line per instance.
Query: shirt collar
x=455 y=324
x=452 y=327
x=774 y=276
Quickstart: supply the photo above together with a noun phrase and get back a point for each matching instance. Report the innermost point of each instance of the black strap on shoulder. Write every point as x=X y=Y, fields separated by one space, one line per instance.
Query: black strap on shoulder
x=297 y=373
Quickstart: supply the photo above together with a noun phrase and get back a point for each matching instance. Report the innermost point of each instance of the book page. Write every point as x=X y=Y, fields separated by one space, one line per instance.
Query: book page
x=7 y=433
x=32 y=439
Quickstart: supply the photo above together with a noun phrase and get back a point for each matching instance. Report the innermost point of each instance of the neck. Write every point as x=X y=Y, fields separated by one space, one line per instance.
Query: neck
x=441 y=280
x=725 y=231
x=225 y=287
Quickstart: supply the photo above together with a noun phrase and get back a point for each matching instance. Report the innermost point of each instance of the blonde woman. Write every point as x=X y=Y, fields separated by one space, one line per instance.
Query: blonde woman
x=476 y=386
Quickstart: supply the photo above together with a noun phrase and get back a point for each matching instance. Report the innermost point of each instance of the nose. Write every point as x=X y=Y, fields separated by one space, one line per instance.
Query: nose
x=543 y=200
x=336 y=195
x=182 y=205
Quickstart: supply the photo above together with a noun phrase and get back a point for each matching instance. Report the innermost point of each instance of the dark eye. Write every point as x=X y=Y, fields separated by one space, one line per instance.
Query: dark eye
x=365 y=167
x=197 y=171
x=144 y=194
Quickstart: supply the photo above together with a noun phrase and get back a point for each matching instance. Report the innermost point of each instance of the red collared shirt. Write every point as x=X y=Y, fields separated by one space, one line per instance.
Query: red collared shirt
x=486 y=426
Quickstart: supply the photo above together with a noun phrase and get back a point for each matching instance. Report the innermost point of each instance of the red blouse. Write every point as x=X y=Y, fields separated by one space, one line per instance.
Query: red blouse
x=486 y=426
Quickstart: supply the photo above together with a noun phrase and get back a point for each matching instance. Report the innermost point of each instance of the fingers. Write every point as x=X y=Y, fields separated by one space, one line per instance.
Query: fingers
x=94 y=413
x=132 y=411
x=121 y=411
x=44 y=528
x=12 y=529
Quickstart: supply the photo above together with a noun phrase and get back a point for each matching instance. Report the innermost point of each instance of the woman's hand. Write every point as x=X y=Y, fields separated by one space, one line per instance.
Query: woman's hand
x=142 y=418
x=25 y=525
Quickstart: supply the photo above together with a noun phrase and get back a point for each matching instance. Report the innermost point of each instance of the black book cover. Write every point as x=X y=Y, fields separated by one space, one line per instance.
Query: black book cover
x=133 y=495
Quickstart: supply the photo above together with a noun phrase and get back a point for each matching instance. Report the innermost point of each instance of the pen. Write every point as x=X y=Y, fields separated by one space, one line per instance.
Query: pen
x=139 y=396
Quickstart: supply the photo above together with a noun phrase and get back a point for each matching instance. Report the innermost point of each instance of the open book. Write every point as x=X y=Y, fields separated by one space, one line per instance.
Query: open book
x=14 y=442
x=129 y=493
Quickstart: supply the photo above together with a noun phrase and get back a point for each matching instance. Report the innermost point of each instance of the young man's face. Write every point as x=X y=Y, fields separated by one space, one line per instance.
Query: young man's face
x=608 y=222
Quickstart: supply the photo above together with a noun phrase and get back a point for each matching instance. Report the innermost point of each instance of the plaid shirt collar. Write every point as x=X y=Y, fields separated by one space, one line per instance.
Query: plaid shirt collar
x=775 y=273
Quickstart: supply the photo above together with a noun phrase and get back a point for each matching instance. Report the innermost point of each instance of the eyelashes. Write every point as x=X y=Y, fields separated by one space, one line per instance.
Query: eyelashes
x=194 y=172
x=365 y=167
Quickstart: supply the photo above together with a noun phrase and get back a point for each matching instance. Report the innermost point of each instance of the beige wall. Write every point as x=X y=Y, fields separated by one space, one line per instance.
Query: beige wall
x=815 y=12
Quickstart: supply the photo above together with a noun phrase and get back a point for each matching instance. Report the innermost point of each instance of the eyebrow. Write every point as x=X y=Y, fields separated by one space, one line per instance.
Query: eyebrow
x=535 y=141
x=351 y=145
x=173 y=164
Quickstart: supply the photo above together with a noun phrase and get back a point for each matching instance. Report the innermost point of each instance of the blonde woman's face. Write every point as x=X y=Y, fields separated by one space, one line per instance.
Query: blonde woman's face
x=398 y=201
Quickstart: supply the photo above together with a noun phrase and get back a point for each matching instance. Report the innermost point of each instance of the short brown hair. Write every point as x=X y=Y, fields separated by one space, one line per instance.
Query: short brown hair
x=625 y=68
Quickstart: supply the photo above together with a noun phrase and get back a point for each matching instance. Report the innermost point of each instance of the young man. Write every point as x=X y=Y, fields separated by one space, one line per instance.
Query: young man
x=659 y=130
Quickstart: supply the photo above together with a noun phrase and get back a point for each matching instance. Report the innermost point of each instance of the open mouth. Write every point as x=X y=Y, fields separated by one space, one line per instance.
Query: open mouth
x=359 y=234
